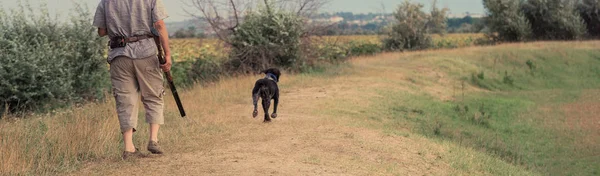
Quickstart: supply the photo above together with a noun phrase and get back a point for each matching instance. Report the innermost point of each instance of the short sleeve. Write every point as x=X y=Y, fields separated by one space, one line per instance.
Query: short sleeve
x=100 y=17
x=159 y=12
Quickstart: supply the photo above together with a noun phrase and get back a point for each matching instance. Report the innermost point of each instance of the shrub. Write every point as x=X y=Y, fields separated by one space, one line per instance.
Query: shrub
x=205 y=69
x=412 y=27
x=332 y=53
x=180 y=71
x=363 y=48
x=268 y=37
x=505 y=21
x=46 y=63
x=554 y=19
x=589 y=10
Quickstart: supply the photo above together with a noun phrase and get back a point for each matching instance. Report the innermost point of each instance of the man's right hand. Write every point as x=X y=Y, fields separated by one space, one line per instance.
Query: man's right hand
x=102 y=32
x=167 y=66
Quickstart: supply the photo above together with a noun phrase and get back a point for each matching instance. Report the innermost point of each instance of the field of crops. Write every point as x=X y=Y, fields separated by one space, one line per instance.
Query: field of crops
x=185 y=49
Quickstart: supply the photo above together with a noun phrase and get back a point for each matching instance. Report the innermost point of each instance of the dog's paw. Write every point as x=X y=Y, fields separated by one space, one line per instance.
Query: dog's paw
x=254 y=114
x=267 y=121
x=273 y=115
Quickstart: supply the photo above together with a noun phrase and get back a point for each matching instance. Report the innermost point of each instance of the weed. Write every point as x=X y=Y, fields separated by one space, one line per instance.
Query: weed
x=530 y=65
x=477 y=80
x=481 y=75
x=437 y=129
x=508 y=79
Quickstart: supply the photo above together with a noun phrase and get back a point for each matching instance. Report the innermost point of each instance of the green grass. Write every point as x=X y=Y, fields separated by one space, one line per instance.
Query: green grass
x=517 y=115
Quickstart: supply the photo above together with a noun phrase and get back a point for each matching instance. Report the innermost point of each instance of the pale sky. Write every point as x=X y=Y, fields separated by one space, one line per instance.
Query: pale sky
x=174 y=7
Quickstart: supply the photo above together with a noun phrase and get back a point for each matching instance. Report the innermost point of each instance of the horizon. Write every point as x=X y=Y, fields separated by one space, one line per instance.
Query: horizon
x=175 y=9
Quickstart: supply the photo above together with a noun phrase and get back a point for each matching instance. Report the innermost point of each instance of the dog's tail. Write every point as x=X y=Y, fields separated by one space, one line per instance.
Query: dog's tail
x=265 y=92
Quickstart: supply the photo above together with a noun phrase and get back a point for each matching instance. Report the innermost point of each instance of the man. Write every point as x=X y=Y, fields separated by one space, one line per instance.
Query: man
x=134 y=66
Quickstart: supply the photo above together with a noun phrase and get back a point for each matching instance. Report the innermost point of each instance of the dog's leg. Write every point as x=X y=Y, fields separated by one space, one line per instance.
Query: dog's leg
x=265 y=104
x=255 y=102
x=275 y=101
x=255 y=95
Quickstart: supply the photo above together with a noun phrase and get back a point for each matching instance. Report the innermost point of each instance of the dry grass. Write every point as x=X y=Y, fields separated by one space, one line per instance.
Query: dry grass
x=59 y=142
x=48 y=144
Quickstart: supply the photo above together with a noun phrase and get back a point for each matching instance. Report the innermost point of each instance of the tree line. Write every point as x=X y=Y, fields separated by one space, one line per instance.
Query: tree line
x=527 y=20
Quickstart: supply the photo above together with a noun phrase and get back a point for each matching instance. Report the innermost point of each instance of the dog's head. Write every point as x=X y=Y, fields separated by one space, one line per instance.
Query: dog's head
x=273 y=71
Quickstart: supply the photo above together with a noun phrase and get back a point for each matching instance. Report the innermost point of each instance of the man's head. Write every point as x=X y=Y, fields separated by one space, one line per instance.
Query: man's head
x=273 y=71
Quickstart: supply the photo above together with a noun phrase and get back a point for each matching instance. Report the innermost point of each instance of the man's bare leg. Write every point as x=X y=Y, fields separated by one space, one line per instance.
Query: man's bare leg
x=154 y=132
x=153 y=143
x=128 y=140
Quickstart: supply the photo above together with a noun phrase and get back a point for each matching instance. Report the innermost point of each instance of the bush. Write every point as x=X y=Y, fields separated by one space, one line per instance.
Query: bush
x=363 y=48
x=180 y=71
x=332 y=53
x=505 y=21
x=46 y=63
x=412 y=28
x=205 y=69
x=589 y=10
x=554 y=19
x=268 y=37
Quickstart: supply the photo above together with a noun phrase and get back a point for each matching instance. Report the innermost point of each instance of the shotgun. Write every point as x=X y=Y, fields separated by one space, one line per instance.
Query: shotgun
x=161 y=59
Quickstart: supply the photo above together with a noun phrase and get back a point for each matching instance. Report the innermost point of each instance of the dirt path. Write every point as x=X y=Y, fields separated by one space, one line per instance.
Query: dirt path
x=302 y=141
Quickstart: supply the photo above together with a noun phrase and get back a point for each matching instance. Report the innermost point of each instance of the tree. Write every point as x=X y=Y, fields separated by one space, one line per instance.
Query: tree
x=413 y=26
x=262 y=33
x=554 y=19
x=190 y=32
x=589 y=10
x=225 y=16
x=437 y=23
x=505 y=21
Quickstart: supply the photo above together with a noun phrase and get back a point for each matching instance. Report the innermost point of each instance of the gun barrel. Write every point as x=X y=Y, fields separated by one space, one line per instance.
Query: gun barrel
x=161 y=60
x=175 y=94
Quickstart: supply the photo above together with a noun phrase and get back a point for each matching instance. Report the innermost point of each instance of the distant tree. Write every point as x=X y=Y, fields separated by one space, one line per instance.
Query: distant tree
x=554 y=19
x=505 y=21
x=190 y=32
x=263 y=33
x=466 y=28
x=437 y=22
x=467 y=19
x=412 y=27
x=371 y=27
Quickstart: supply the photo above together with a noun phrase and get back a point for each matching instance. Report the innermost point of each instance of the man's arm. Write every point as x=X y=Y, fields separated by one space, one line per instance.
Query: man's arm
x=102 y=32
x=164 y=40
x=100 y=20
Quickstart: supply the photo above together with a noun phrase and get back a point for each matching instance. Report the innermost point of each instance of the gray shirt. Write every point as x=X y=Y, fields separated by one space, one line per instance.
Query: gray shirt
x=129 y=18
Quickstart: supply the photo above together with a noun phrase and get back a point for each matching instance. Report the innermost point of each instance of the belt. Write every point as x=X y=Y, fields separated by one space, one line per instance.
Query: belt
x=119 y=41
x=137 y=38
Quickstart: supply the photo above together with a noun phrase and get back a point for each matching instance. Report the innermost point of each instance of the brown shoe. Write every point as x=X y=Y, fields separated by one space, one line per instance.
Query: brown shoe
x=154 y=148
x=136 y=154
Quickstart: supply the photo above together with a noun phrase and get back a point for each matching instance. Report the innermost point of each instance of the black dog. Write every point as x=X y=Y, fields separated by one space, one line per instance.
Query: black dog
x=267 y=89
